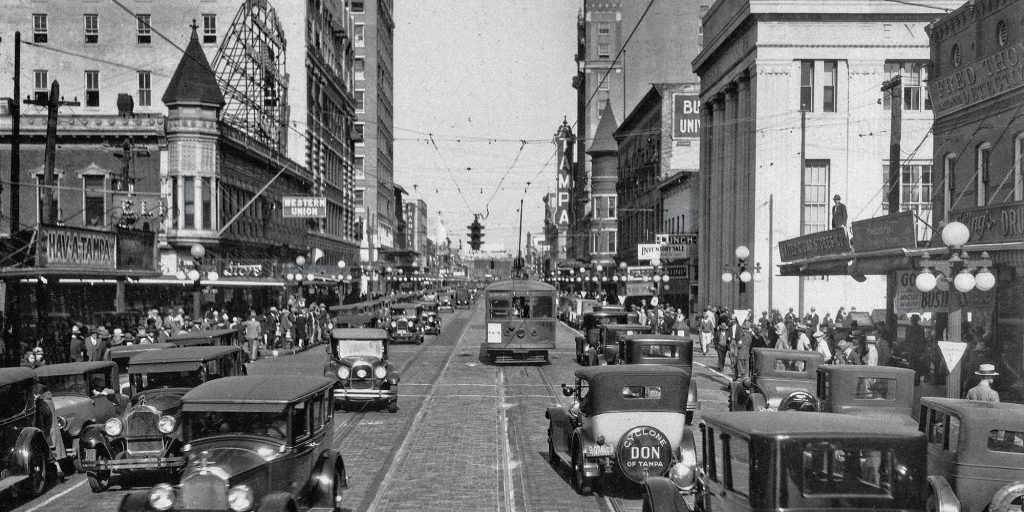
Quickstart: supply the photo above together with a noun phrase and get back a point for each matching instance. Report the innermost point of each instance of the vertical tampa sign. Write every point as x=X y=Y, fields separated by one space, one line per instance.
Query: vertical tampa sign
x=564 y=186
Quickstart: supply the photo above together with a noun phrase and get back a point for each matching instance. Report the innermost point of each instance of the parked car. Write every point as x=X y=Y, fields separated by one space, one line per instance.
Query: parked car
x=660 y=349
x=623 y=420
x=813 y=461
x=462 y=299
x=147 y=437
x=359 y=362
x=404 y=324
x=430 y=318
x=355 y=321
x=444 y=303
x=83 y=394
x=611 y=339
x=975 y=454
x=121 y=354
x=212 y=337
x=779 y=380
x=254 y=443
x=589 y=344
x=25 y=456
x=871 y=391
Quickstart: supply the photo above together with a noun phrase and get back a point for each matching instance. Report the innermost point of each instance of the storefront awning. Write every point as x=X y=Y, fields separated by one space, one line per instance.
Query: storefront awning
x=889 y=260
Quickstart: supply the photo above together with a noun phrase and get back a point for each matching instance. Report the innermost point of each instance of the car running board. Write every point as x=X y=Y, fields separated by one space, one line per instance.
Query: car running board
x=11 y=481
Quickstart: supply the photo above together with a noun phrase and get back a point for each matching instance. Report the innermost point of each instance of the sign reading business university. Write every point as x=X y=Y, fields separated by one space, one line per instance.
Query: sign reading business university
x=685 y=116
x=995 y=223
x=822 y=243
x=893 y=231
x=304 y=207
x=76 y=248
x=996 y=73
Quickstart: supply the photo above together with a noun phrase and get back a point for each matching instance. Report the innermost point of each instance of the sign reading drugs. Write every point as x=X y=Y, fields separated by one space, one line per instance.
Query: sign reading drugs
x=685 y=116
x=298 y=207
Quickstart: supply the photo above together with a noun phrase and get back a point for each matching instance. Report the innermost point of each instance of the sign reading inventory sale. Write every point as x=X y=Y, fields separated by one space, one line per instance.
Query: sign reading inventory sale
x=296 y=207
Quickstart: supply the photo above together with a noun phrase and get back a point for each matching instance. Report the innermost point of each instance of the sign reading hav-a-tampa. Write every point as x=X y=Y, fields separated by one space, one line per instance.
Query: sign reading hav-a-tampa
x=995 y=223
x=63 y=247
x=822 y=243
x=993 y=74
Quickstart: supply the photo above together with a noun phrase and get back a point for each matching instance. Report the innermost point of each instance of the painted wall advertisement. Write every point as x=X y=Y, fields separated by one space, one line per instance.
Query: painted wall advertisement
x=685 y=116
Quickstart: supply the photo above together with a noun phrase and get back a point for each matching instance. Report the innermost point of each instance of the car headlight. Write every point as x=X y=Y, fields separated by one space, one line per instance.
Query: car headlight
x=240 y=498
x=113 y=427
x=394 y=324
x=166 y=424
x=62 y=422
x=380 y=372
x=343 y=372
x=161 y=497
x=361 y=373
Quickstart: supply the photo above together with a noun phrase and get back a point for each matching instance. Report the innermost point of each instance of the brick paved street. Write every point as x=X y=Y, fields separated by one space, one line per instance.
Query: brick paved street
x=467 y=436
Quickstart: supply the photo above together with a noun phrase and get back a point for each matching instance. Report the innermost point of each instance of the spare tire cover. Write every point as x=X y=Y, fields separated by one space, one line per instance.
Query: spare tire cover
x=644 y=451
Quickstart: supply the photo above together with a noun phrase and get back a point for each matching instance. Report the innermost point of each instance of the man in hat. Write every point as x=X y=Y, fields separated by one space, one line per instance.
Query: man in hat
x=707 y=328
x=813 y=320
x=916 y=347
x=96 y=345
x=838 y=213
x=870 y=357
x=820 y=345
x=983 y=392
x=802 y=341
x=76 y=347
x=741 y=350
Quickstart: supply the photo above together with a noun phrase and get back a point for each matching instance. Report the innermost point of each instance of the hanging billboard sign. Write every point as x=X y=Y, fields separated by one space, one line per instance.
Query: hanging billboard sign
x=66 y=247
x=685 y=116
x=562 y=195
x=300 y=207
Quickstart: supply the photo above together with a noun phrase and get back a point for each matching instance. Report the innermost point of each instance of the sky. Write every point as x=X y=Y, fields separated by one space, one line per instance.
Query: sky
x=478 y=78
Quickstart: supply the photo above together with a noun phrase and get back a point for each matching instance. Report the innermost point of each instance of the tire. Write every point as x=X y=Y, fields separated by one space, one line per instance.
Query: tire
x=592 y=359
x=38 y=471
x=756 y=402
x=99 y=481
x=393 y=407
x=931 y=505
x=583 y=484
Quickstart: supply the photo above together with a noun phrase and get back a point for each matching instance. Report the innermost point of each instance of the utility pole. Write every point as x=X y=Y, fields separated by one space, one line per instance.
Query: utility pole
x=803 y=176
x=16 y=139
x=893 y=88
x=53 y=104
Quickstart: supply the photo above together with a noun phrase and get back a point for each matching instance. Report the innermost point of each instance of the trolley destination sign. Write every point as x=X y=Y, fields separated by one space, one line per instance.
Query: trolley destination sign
x=298 y=207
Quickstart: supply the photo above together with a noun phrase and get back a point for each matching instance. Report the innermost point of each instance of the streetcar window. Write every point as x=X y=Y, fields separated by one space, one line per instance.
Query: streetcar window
x=498 y=308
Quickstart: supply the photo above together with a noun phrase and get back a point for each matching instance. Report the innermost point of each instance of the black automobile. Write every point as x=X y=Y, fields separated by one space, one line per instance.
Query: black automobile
x=24 y=452
x=359 y=362
x=147 y=437
x=430 y=317
x=404 y=323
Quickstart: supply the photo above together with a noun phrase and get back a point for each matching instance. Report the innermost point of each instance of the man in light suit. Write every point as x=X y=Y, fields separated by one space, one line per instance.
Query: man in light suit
x=839 y=217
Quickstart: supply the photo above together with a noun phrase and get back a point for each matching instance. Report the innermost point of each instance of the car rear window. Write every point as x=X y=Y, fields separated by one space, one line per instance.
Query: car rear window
x=830 y=469
x=668 y=351
x=874 y=388
x=1006 y=441
x=642 y=392
x=790 y=365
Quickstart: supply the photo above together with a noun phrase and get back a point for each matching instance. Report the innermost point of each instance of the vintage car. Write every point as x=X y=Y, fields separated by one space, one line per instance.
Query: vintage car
x=590 y=341
x=872 y=391
x=611 y=336
x=359 y=362
x=430 y=317
x=259 y=443
x=121 y=354
x=975 y=454
x=25 y=456
x=779 y=380
x=355 y=321
x=813 y=461
x=211 y=337
x=444 y=303
x=83 y=394
x=147 y=437
x=462 y=299
x=404 y=324
x=659 y=349
x=625 y=420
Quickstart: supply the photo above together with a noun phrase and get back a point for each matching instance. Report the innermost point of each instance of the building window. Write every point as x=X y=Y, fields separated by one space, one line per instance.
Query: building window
x=207 y=191
x=209 y=29
x=807 y=85
x=92 y=28
x=915 y=195
x=816 y=201
x=828 y=93
x=1018 y=175
x=983 y=159
x=39 y=28
x=39 y=79
x=914 y=79
x=359 y=68
x=359 y=193
x=145 y=89
x=359 y=35
x=359 y=131
x=604 y=51
x=949 y=181
x=604 y=28
x=602 y=100
x=92 y=88
x=189 y=184
x=357 y=6
x=145 y=32
x=359 y=97
x=94 y=199
x=173 y=210
x=604 y=207
x=358 y=166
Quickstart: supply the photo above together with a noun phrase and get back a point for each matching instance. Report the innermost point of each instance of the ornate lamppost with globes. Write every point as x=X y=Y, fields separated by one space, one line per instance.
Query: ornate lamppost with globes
x=742 y=273
x=299 y=277
x=968 y=274
x=195 y=274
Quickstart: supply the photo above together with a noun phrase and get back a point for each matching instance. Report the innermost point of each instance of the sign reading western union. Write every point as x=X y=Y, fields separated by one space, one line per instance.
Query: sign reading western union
x=304 y=207
x=78 y=248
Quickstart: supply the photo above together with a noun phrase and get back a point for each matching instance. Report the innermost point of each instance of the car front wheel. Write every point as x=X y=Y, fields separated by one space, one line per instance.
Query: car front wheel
x=35 y=484
x=99 y=480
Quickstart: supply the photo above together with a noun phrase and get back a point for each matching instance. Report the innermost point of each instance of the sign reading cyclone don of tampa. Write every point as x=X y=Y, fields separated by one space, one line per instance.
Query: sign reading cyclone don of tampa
x=642 y=452
x=79 y=248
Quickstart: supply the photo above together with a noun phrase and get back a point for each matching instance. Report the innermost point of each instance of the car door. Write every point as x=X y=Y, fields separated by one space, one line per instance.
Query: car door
x=305 y=441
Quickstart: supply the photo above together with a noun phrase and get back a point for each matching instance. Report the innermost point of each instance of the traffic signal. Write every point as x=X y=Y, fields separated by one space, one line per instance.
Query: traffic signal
x=475 y=234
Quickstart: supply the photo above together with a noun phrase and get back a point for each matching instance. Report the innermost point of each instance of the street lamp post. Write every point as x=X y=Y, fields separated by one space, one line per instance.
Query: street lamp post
x=195 y=274
x=300 y=276
x=742 y=273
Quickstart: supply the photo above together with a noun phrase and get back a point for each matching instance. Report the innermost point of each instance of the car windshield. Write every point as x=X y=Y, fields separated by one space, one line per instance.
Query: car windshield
x=360 y=348
x=163 y=380
x=874 y=388
x=215 y=423
x=66 y=384
x=658 y=350
x=855 y=468
x=400 y=312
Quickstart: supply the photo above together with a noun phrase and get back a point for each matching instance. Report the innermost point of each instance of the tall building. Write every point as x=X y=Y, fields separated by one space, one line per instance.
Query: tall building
x=666 y=38
x=374 y=31
x=792 y=117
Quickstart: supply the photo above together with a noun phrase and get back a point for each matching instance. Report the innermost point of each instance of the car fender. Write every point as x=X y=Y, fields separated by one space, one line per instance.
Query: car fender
x=393 y=378
x=137 y=501
x=738 y=396
x=559 y=422
x=1004 y=497
x=661 y=495
x=277 y=502
x=30 y=440
x=692 y=404
x=93 y=436
x=945 y=498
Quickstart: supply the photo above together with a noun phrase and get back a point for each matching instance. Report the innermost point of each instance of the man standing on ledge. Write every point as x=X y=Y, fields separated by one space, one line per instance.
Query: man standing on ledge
x=838 y=213
x=983 y=391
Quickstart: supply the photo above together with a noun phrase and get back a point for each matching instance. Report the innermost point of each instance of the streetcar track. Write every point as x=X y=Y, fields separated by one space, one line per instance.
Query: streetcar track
x=505 y=446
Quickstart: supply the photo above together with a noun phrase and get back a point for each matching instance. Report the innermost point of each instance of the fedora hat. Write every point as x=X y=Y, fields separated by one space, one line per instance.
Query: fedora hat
x=870 y=339
x=819 y=334
x=102 y=332
x=987 y=370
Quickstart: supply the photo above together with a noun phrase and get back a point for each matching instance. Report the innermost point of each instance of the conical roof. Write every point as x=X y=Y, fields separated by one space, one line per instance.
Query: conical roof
x=604 y=140
x=194 y=81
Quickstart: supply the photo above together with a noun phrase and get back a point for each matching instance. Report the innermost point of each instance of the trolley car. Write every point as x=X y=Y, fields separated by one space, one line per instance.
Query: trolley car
x=520 y=321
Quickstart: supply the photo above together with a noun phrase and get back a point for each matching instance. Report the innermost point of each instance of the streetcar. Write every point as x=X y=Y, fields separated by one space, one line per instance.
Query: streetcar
x=520 y=321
